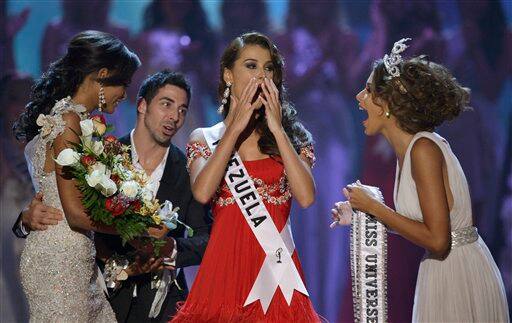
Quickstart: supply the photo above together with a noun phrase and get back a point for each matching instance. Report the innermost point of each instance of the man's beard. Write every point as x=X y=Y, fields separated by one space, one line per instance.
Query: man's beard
x=160 y=140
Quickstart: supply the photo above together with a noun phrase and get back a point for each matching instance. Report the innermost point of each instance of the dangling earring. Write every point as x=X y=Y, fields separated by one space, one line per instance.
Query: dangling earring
x=388 y=115
x=101 y=98
x=225 y=97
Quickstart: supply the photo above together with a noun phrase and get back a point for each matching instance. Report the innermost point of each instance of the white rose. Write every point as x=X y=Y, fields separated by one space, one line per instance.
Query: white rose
x=67 y=157
x=97 y=147
x=94 y=178
x=107 y=186
x=100 y=181
x=87 y=127
x=147 y=195
x=99 y=166
x=130 y=189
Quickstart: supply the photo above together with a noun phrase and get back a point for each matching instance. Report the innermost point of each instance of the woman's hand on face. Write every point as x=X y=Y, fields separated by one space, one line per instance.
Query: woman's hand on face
x=360 y=199
x=241 y=110
x=272 y=105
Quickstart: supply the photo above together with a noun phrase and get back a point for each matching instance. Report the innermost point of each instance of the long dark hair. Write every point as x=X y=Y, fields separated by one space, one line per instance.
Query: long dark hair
x=297 y=133
x=88 y=52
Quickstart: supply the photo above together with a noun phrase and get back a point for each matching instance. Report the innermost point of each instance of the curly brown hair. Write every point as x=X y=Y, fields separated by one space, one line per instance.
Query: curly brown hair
x=422 y=97
x=267 y=144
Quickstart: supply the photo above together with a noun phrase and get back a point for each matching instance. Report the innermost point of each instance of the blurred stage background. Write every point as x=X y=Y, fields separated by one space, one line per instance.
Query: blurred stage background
x=328 y=47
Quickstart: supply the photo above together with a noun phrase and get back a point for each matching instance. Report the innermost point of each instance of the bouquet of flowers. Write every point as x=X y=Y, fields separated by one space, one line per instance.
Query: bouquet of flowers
x=114 y=192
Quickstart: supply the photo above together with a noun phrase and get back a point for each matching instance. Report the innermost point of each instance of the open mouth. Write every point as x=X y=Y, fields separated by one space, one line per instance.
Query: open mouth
x=168 y=130
x=365 y=122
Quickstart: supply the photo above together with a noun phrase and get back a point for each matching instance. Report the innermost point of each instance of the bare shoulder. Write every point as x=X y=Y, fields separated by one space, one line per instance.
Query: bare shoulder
x=426 y=156
x=424 y=148
x=71 y=117
x=72 y=120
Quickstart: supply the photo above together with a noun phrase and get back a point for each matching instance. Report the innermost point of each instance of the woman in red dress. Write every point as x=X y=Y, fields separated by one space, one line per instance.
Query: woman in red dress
x=277 y=153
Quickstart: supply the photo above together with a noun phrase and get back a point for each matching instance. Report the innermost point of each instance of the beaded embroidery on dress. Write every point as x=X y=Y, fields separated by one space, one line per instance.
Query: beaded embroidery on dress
x=57 y=268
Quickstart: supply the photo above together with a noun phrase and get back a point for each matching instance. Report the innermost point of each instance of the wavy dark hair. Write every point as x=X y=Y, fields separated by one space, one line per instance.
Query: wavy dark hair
x=87 y=52
x=267 y=144
x=432 y=95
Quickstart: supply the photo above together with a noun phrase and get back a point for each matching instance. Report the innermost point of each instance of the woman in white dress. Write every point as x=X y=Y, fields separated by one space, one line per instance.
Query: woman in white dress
x=458 y=280
x=58 y=270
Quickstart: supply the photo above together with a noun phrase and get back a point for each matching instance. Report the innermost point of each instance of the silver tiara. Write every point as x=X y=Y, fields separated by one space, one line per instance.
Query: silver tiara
x=392 y=60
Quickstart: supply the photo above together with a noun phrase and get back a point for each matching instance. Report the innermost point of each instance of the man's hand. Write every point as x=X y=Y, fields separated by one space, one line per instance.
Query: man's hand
x=167 y=250
x=37 y=216
x=144 y=264
x=144 y=247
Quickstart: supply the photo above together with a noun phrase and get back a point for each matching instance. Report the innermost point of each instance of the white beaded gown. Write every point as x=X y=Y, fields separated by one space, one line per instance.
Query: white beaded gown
x=466 y=286
x=57 y=268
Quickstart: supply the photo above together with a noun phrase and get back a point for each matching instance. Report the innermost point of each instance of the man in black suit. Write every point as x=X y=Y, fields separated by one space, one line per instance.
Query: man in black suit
x=162 y=106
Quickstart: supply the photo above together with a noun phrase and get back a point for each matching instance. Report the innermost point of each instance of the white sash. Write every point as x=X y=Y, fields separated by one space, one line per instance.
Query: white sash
x=278 y=269
x=368 y=260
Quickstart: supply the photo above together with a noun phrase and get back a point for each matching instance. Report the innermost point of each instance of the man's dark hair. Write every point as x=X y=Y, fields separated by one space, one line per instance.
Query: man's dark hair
x=155 y=82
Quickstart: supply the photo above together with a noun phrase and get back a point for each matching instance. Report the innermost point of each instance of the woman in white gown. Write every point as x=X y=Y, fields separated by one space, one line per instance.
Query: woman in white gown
x=58 y=270
x=458 y=280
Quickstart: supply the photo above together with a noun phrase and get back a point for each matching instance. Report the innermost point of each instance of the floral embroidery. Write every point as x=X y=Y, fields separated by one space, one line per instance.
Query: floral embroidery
x=52 y=125
x=275 y=193
x=47 y=123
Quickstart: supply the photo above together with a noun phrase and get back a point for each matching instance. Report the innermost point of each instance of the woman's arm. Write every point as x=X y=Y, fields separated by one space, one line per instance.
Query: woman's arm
x=298 y=171
x=206 y=174
x=69 y=194
x=433 y=233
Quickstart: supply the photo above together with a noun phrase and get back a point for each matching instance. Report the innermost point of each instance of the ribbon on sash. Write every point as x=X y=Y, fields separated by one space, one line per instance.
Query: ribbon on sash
x=278 y=269
x=368 y=261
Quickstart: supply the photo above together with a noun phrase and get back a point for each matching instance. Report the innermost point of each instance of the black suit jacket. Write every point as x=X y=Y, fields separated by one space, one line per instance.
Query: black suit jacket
x=175 y=187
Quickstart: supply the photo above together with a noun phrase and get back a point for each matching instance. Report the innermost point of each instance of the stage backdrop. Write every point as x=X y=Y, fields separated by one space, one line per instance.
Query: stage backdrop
x=328 y=47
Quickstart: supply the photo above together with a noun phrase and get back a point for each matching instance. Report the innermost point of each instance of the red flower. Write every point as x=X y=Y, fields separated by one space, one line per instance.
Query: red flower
x=109 y=203
x=118 y=210
x=110 y=138
x=88 y=160
x=113 y=206
x=136 y=205
x=99 y=118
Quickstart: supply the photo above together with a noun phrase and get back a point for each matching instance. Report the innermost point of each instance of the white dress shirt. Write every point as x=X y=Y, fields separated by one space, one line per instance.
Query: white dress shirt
x=154 y=183
x=154 y=179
